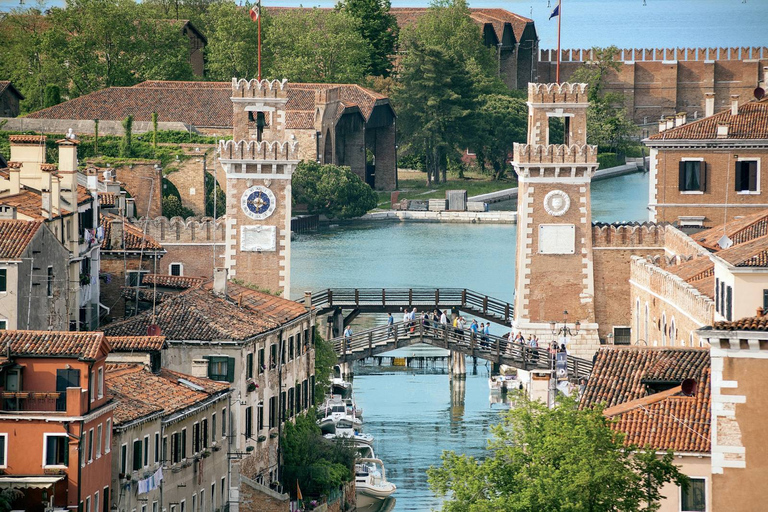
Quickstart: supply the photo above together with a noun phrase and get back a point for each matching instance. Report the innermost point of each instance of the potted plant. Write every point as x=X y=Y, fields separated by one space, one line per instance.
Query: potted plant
x=272 y=435
x=261 y=439
x=251 y=385
x=249 y=449
x=206 y=454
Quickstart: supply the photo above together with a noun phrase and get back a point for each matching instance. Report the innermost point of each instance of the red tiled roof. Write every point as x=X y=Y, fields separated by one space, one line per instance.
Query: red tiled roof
x=107 y=199
x=136 y=343
x=178 y=282
x=738 y=230
x=753 y=323
x=15 y=236
x=693 y=269
x=751 y=122
x=205 y=104
x=663 y=420
x=84 y=345
x=30 y=202
x=27 y=139
x=748 y=254
x=134 y=237
x=139 y=392
x=197 y=314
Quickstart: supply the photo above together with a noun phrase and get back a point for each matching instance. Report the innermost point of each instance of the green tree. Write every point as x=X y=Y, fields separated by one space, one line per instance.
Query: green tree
x=435 y=102
x=554 y=460
x=377 y=26
x=126 y=143
x=232 y=42
x=331 y=190
x=212 y=187
x=501 y=121
x=316 y=45
x=608 y=124
x=325 y=359
x=52 y=95
x=172 y=207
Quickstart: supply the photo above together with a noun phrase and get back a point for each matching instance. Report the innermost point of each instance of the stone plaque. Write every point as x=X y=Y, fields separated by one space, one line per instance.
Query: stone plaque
x=257 y=238
x=557 y=238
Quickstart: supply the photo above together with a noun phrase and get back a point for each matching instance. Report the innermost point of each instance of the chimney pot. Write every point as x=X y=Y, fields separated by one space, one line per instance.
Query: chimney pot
x=220 y=282
x=680 y=119
x=709 y=104
x=734 y=104
x=308 y=300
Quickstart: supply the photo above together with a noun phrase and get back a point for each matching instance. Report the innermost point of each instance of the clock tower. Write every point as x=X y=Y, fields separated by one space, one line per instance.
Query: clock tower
x=258 y=227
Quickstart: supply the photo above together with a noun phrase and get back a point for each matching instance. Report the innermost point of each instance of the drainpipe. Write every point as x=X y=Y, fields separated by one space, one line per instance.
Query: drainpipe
x=281 y=411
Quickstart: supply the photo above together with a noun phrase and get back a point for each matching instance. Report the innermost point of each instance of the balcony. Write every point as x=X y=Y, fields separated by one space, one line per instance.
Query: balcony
x=32 y=401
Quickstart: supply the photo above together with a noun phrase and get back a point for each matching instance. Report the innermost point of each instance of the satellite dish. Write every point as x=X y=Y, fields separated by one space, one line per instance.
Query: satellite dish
x=689 y=387
x=153 y=330
x=725 y=242
x=759 y=93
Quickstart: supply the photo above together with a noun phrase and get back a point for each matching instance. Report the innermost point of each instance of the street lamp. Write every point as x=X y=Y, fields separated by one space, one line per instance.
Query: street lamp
x=564 y=330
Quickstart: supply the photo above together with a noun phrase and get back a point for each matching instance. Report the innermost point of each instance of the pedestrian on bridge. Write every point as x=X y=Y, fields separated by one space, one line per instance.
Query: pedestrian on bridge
x=444 y=320
x=348 y=334
x=487 y=332
x=390 y=325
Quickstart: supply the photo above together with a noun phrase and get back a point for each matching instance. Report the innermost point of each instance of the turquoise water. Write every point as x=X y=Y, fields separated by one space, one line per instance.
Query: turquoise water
x=411 y=413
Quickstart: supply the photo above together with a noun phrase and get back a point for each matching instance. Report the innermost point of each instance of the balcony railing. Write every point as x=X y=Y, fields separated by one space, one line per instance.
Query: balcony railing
x=31 y=401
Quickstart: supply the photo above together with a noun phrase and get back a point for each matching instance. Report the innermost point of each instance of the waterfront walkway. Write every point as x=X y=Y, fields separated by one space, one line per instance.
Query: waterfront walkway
x=495 y=349
x=395 y=300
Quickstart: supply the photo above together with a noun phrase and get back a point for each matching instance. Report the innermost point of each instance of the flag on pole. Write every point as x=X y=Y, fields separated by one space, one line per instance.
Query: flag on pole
x=256 y=12
x=299 y=497
x=555 y=12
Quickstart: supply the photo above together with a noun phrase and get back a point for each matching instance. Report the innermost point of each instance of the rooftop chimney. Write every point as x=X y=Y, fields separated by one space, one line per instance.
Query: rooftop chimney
x=709 y=104
x=308 y=300
x=55 y=196
x=14 y=169
x=670 y=122
x=116 y=234
x=760 y=311
x=220 y=282
x=734 y=104
x=680 y=119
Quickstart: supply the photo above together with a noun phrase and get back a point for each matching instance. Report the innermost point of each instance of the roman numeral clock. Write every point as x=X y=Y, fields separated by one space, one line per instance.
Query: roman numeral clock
x=258 y=202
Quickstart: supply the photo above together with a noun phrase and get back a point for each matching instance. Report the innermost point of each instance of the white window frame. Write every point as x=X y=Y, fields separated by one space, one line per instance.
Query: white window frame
x=4 y=463
x=181 y=268
x=46 y=435
x=92 y=387
x=90 y=446
x=99 y=433
x=4 y=269
x=702 y=169
x=87 y=504
x=145 y=452
x=751 y=192
x=96 y=501
x=108 y=436
x=124 y=459
x=101 y=382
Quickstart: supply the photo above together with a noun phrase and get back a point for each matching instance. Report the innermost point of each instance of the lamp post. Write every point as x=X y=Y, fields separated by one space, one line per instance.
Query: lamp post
x=564 y=330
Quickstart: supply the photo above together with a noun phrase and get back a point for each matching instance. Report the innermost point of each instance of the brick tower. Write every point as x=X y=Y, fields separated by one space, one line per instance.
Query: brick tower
x=258 y=229
x=554 y=226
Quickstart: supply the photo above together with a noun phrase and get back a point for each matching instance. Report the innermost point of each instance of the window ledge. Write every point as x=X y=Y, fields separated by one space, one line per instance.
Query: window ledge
x=748 y=192
x=692 y=192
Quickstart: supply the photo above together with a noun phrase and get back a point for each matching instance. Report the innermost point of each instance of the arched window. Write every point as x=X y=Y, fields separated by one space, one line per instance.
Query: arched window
x=647 y=323
x=637 y=320
x=663 y=329
x=672 y=332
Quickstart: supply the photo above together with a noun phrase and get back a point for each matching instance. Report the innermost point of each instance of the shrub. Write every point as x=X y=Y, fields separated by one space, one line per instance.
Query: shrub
x=332 y=190
x=608 y=160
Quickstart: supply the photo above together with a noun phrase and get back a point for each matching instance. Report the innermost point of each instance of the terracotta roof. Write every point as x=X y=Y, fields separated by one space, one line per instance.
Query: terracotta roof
x=107 y=199
x=135 y=239
x=84 y=345
x=751 y=122
x=667 y=420
x=753 y=323
x=5 y=84
x=205 y=104
x=136 y=343
x=693 y=269
x=29 y=202
x=748 y=254
x=663 y=420
x=15 y=236
x=139 y=392
x=738 y=230
x=178 y=282
x=27 y=139
x=706 y=285
x=619 y=374
x=197 y=314
x=496 y=17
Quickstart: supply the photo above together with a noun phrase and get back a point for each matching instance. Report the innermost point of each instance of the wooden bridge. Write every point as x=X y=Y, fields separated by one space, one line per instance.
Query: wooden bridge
x=393 y=300
x=492 y=348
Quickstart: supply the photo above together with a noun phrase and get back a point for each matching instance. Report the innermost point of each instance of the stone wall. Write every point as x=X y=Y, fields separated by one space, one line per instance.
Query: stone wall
x=189 y=180
x=255 y=497
x=666 y=310
x=106 y=127
x=113 y=268
x=143 y=181
x=646 y=77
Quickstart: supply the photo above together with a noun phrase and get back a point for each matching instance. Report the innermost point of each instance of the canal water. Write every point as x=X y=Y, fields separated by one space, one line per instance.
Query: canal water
x=410 y=411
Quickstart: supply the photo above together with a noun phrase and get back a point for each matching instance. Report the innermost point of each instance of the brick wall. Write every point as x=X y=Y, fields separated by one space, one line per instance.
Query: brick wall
x=142 y=181
x=670 y=203
x=111 y=293
x=190 y=242
x=670 y=302
x=258 y=498
x=189 y=179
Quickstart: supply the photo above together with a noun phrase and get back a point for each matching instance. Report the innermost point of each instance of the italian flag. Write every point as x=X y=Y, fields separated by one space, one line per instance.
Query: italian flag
x=299 y=497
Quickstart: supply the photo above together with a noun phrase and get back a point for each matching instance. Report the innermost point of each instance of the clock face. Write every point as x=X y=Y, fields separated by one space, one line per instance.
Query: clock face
x=258 y=202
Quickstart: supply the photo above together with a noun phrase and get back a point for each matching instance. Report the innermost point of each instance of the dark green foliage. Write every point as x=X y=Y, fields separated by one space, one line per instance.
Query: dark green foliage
x=607 y=160
x=501 y=121
x=331 y=190
x=52 y=95
x=154 y=131
x=172 y=207
x=379 y=28
x=325 y=359
x=221 y=198
x=317 y=464
x=553 y=460
x=411 y=161
x=126 y=149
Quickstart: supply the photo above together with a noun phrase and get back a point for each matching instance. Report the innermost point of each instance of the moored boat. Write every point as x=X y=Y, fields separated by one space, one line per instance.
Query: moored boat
x=371 y=485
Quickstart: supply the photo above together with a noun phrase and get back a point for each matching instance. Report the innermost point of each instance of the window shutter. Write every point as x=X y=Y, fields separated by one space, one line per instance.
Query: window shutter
x=717 y=295
x=729 y=303
x=739 y=183
x=752 y=170
x=681 y=176
x=230 y=369
x=703 y=168
x=765 y=300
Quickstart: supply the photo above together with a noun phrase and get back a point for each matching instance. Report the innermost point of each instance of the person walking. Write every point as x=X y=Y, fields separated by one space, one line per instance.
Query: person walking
x=487 y=332
x=473 y=328
x=390 y=325
x=348 y=334
x=444 y=320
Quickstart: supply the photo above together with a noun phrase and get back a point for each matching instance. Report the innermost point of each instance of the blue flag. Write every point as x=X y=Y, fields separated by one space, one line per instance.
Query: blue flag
x=555 y=12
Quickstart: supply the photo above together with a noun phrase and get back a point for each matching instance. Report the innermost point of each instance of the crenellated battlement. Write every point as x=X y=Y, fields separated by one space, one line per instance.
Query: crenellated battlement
x=659 y=54
x=191 y=230
x=558 y=93
x=287 y=151
x=645 y=234
x=260 y=89
x=554 y=154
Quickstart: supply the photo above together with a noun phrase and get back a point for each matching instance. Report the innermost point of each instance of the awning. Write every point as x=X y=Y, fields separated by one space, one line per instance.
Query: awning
x=29 y=482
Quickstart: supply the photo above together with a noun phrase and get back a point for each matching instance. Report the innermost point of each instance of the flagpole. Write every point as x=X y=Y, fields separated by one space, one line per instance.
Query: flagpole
x=259 y=29
x=559 y=17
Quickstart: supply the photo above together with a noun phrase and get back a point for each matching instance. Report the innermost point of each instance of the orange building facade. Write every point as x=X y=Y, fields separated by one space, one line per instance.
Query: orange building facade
x=56 y=421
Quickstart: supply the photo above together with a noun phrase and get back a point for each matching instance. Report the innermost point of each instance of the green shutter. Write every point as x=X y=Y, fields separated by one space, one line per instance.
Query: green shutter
x=681 y=184
x=739 y=183
x=3 y=278
x=230 y=369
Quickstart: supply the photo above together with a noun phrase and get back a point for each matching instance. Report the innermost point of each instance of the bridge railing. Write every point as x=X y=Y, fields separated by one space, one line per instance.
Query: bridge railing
x=496 y=348
x=462 y=298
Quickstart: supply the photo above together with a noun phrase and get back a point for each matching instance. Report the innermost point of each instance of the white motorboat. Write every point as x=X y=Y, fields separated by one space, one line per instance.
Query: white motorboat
x=335 y=411
x=341 y=387
x=503 y=383
x=345 y=429
x=371 y=483
x=352 y=408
